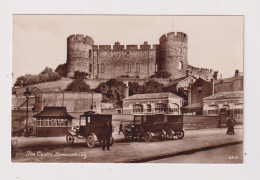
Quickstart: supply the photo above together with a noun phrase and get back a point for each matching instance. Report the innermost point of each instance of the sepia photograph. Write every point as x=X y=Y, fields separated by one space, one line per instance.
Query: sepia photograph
x=127 y=89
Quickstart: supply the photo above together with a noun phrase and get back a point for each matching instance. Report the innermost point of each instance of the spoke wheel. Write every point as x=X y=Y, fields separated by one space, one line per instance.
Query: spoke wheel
x=70 y=139
x=169 y=135
x=180 y=134
x=90 y=141
x=147 y=137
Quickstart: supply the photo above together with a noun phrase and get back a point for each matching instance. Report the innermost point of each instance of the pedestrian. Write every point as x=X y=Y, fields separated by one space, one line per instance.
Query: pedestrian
x=107 y=135
x=230 y=122
x=120 y=128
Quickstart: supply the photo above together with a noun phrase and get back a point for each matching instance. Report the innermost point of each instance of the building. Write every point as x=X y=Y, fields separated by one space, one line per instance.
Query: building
x=224 y=103
x=153 y=103
x=180 y=86
x=234 y=83
x=170 y=55
x=53 y=121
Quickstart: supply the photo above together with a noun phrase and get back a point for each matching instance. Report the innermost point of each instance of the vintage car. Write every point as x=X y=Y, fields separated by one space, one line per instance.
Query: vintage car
x=150 y=127
x=174 y=126
x=157 y=126
x=91 y=128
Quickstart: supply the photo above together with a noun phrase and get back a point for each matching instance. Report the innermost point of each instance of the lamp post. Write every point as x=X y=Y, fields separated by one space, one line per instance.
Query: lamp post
x=27 y=94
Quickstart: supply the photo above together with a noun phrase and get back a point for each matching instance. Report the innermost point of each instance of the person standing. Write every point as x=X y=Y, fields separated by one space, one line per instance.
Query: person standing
x=120 y=128
x=107 y=135
x=219 y=122
x=230 y=125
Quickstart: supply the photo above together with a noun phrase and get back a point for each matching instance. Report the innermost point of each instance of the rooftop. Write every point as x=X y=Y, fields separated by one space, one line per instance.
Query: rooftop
x=54 y=112
x=225 y=95
x=153 y=96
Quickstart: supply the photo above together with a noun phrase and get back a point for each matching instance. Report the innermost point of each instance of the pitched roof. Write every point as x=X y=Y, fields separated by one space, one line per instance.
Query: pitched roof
x=176 y=81
x=228 y=80
x=225 y=95
x=54 y=112
x=153 y=96
x=194 y=106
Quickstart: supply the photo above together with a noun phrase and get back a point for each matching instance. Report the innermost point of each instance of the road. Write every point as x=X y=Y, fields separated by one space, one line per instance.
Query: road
x=121 y=151
x=228 y=154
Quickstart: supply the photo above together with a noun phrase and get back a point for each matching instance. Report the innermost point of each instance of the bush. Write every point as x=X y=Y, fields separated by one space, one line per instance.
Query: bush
x=78 y=85
x=45 y=76
x=162 y=74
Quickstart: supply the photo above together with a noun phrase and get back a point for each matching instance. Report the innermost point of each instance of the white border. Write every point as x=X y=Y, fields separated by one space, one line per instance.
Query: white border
x=141 y=171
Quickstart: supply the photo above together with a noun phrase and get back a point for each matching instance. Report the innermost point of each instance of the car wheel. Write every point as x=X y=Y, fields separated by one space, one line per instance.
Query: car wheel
x=70 y=139
x=90 y=141
x=147 y=137
x=180 y=134
x=169 y=135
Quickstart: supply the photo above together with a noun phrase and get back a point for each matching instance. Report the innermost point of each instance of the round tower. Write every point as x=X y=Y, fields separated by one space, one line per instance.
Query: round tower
x=79 y=54
x=173 y=54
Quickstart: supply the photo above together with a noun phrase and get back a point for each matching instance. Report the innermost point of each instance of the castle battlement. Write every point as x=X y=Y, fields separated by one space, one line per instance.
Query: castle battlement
x=174 y=36
x=80 y=38
x=131 y=47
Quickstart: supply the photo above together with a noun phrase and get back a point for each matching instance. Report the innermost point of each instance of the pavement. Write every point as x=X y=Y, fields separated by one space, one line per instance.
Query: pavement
x=55 y=149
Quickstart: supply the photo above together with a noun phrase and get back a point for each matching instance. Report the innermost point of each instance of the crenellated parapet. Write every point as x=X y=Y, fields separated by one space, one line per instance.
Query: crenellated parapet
x=79 y=38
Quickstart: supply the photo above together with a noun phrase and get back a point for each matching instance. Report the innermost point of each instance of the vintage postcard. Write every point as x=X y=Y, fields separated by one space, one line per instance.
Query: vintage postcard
x=127 y=89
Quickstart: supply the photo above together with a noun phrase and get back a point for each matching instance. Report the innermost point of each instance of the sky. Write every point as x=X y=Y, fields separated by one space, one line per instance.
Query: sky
x=39 y=41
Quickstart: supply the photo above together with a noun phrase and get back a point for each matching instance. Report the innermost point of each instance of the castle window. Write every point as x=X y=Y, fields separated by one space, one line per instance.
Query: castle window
x=180 y=65
x=137 y=67
x=102 y=68
x=128 y=68
x=90 y=68
x=155 y=67
x=89 y=53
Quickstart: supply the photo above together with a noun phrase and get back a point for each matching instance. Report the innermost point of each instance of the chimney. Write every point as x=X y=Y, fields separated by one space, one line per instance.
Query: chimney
x=189 y=94
x=236 y=73
x=212 y=86
x=215 y=76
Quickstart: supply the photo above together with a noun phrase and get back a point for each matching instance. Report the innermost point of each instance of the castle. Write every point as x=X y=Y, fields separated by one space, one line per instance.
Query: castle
x=104 y=62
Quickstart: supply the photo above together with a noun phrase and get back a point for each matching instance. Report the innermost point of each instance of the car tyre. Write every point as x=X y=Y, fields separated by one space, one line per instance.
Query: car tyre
x=147 y=137
x=180 y=134
x=90 y=141
x=70 y=139
x=169 y=135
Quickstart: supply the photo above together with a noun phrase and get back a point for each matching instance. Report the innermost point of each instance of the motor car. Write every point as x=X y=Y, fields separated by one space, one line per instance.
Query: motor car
x=91 y=128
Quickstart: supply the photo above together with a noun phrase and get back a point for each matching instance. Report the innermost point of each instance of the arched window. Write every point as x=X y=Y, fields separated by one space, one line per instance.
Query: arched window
x=90 y=68
x=89 y=53
x=155 y=67
x=180 y=66
x=137 y=67
x=137 y=108
x=213 y=110
x=174 y=109
x=160 y=108
x=128 y=68
x=102 y=68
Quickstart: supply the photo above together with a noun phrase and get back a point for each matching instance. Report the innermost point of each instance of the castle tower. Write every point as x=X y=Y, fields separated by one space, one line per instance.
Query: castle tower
x=173 y=56
x=79 y=54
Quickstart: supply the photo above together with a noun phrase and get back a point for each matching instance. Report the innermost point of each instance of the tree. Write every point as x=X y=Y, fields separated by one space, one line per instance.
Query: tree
x=135 y=88
x=152 y=86
x=78 y=85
